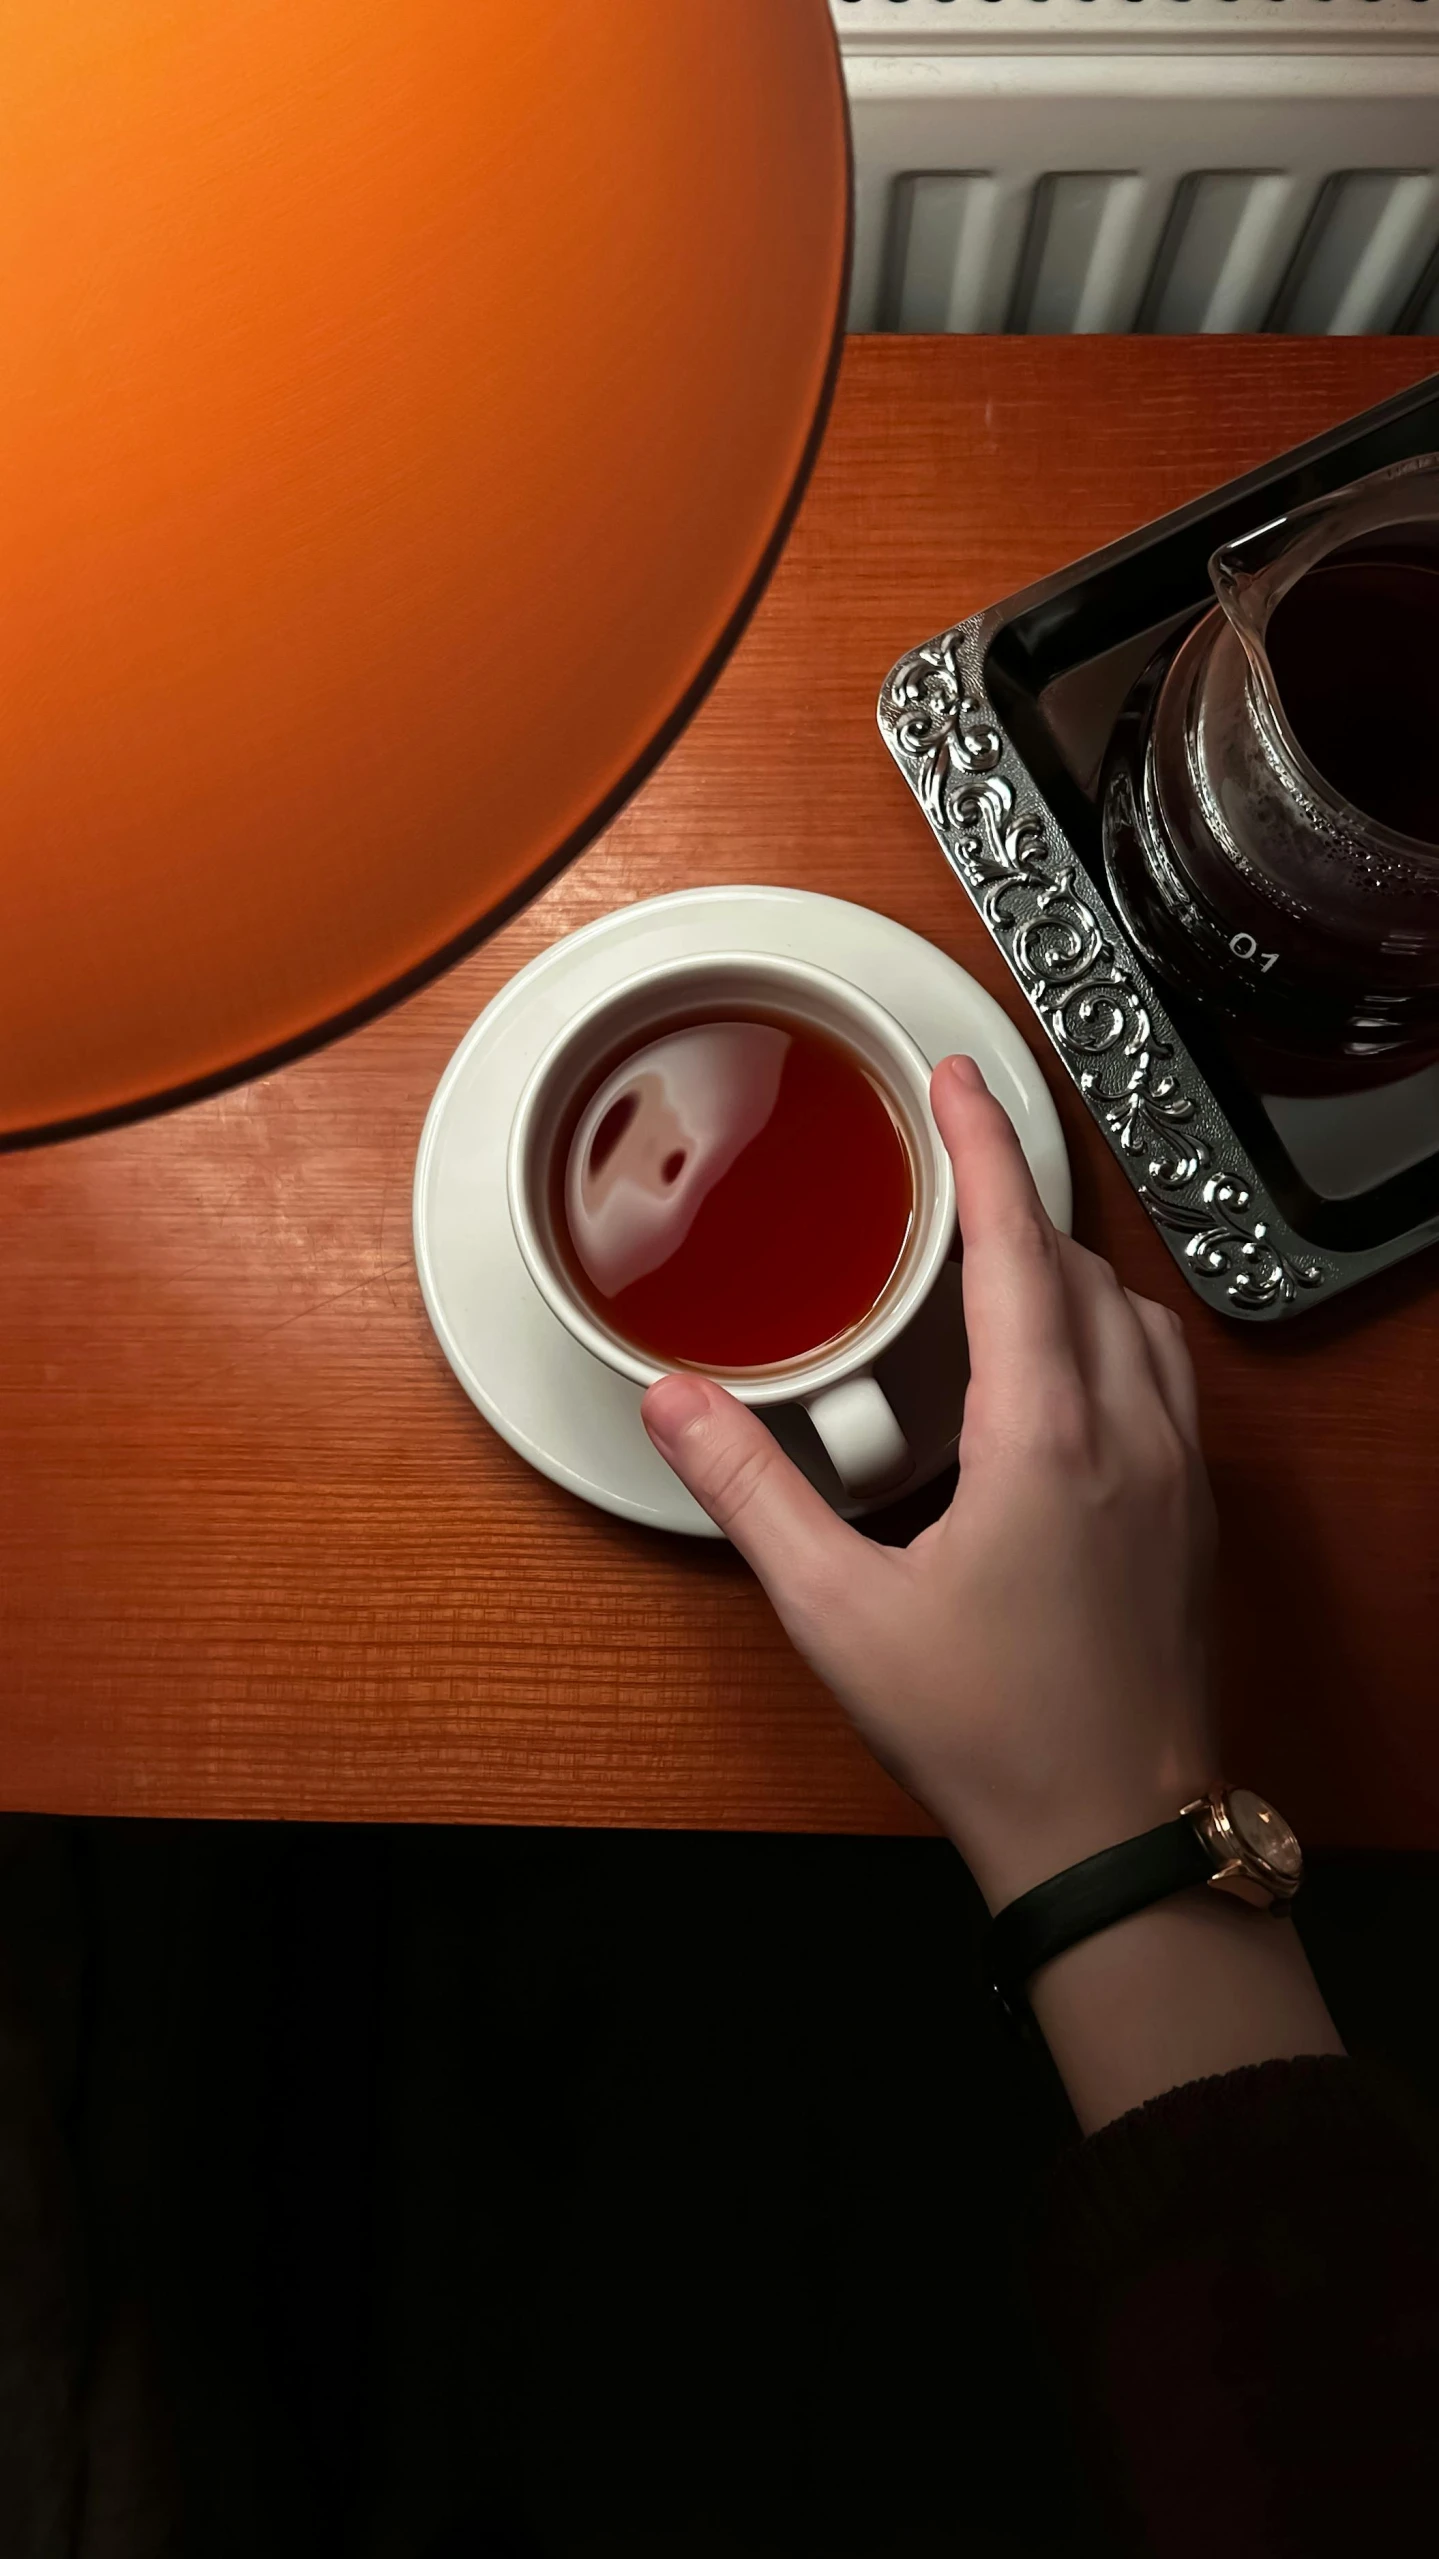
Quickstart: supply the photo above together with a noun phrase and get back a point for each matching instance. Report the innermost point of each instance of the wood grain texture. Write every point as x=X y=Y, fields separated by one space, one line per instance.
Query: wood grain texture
x=257 y=1553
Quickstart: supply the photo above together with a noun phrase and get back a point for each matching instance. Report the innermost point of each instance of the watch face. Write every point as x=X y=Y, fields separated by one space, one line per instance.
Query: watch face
x=1265 y=1833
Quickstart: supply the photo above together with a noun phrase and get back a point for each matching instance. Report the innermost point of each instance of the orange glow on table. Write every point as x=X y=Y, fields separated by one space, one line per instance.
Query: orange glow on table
x=400 y=404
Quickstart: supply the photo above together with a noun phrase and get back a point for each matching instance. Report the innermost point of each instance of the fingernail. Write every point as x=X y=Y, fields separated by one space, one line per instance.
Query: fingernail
x=670 y=1407
x=966 y=1074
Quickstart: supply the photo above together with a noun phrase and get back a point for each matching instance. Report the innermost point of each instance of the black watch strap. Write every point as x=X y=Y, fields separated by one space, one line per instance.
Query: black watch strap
x=1092 y=1895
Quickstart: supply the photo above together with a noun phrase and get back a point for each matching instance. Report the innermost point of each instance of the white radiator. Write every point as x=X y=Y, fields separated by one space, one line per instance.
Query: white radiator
x=1144 y=164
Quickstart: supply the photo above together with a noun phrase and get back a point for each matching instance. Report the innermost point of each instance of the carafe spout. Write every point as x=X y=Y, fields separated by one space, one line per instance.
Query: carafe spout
x=1251 y=574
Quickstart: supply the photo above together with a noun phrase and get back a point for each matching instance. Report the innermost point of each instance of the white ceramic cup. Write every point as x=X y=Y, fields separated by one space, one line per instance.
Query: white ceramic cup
x=836 y=1385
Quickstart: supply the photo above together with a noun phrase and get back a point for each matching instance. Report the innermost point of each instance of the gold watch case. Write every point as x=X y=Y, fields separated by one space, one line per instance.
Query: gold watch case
x=1256 y=1855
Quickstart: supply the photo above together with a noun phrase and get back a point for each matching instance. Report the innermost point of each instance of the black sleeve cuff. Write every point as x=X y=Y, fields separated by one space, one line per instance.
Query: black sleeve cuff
x=1240 y=2285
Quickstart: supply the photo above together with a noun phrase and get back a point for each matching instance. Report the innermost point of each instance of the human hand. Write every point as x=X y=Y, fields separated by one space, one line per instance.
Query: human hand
x=1032 y=1667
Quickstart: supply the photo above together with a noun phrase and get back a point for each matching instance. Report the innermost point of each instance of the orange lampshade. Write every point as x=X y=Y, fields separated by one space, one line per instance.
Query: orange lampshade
x=401 y=404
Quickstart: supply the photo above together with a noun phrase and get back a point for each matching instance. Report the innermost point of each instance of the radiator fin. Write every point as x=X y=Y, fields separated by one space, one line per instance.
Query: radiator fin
x=1226 y=250
x=1424 y=314
x=1364 y=250
x=1076 y=273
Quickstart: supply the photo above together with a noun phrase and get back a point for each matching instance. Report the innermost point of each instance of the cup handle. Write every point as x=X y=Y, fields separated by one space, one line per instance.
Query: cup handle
x=862 y=1439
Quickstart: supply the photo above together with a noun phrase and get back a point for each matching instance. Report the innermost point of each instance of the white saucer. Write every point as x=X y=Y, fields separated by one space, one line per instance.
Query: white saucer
x=561 y=1409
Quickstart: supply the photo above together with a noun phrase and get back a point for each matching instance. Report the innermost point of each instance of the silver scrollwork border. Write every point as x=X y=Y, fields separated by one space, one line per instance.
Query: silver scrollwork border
x=1094 y=997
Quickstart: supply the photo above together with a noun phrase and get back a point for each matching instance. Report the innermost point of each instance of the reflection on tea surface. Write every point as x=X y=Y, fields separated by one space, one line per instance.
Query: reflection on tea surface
x=736 y=1193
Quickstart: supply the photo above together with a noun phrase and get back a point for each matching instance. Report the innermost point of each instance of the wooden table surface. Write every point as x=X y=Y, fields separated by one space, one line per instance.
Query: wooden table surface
x=259 y=1556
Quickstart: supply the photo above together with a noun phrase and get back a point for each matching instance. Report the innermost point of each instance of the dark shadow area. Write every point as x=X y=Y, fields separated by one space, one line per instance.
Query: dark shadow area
x=499 y=2194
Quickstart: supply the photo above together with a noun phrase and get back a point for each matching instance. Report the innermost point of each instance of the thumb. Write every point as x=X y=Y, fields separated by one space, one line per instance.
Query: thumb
x=723 y=1454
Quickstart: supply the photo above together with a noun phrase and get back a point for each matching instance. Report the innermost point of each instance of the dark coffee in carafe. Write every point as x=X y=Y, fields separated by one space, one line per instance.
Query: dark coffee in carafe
x=1270 y=803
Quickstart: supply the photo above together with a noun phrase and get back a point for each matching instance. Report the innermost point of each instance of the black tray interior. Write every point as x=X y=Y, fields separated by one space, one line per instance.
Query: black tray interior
x=1352 y=1168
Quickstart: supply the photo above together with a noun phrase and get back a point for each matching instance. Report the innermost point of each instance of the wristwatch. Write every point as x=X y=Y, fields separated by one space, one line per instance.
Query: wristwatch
x=1230 y=1839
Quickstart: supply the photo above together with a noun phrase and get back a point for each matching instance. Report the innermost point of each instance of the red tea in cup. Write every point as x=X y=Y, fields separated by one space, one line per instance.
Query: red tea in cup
x=734 y=1193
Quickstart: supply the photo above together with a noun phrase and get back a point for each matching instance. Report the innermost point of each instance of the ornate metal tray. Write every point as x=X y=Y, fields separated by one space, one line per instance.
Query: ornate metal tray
x=1270 y=1203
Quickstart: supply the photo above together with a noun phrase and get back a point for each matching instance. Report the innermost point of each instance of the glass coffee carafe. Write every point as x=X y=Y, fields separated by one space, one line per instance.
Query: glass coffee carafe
x=1271 y=799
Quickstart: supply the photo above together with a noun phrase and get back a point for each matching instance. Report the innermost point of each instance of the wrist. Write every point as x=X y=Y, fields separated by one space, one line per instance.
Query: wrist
x=1191 y=1988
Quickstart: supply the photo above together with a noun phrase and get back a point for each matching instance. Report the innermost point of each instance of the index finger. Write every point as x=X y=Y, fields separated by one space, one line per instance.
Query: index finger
x=1015 y=1311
